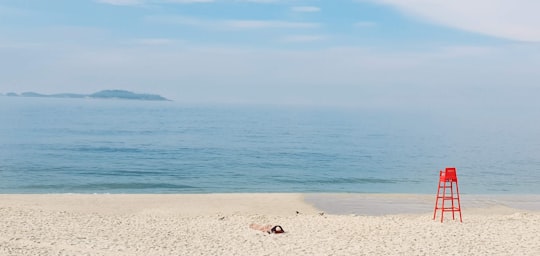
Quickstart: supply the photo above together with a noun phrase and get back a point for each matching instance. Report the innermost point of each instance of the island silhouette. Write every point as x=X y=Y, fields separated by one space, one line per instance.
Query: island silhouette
x=105 y=94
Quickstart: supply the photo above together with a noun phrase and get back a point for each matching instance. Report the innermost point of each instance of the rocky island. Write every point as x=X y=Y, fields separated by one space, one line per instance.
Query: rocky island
x=105 y=94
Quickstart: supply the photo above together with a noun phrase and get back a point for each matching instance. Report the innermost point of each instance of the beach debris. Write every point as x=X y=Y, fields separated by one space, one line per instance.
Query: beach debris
x=321 y=213
x=297 y=212
x=222 y=218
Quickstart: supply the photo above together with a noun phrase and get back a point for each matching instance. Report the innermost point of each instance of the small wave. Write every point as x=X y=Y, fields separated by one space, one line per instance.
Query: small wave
x=107 y=149
x=338 y=180
x=123 y=173
x=109 y=186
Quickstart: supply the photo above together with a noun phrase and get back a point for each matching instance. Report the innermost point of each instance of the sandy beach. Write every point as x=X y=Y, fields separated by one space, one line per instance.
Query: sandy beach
x=218 y=224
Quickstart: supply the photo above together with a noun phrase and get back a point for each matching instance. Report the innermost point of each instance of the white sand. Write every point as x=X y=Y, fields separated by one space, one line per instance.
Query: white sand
x=217 y=224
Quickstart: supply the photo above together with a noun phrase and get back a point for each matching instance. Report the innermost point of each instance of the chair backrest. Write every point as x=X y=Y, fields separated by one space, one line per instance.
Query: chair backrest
x=450 y=174
x=442 y=176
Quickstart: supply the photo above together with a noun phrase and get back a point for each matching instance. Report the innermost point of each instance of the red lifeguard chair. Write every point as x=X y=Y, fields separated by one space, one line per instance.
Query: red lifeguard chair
x=445 y=192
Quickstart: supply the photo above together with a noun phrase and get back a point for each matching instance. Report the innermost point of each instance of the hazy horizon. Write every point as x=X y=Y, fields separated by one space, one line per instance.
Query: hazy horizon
x=367 y=53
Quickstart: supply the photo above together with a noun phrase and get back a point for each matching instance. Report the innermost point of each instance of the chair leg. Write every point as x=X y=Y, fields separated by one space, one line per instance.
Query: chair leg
x=452 y=194
x=443 y=199
x=459 y=202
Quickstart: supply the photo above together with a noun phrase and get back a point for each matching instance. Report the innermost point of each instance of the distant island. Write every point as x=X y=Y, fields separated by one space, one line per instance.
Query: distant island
x=105 y=94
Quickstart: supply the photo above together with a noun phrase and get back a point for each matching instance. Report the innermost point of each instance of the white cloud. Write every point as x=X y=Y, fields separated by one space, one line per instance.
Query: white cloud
x=141 y=2
x=515 y=20
x=187 y=1
x=302 y=38
x=259 y=24
x=465 y=51
x=306 y=9
x=155 y=41
x=121 y=2
x=179 y=20
x=259 y=1
x=231 y=24
x=365 y=24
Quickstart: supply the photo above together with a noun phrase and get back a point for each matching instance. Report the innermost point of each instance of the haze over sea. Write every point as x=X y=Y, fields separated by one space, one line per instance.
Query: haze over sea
x=120 y=146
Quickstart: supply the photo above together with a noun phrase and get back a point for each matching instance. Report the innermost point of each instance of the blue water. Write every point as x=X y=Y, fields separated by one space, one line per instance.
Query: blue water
x=119 y=146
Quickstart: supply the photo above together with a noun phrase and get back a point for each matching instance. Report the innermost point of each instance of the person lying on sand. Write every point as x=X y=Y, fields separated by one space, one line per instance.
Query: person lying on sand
x=268 y=228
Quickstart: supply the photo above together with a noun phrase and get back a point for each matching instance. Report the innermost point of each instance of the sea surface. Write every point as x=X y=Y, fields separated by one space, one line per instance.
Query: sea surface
x=119 y=146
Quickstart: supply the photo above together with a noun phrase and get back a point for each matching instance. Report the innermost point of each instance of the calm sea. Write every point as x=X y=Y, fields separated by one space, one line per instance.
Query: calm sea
x=119 y=146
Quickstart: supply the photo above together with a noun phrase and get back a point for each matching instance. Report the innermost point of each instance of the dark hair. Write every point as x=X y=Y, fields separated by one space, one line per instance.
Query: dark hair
x=274 y=229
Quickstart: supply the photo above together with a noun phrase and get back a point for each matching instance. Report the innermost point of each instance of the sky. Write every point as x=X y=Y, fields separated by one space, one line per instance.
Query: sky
x=369 y=53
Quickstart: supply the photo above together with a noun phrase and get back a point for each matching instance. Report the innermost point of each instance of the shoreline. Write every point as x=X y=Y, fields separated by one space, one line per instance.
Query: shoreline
x=218 y=224
x=371 y=204
x=384 y=204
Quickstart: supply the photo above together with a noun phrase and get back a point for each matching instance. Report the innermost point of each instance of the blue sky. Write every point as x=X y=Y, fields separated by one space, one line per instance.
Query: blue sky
x=373 y=53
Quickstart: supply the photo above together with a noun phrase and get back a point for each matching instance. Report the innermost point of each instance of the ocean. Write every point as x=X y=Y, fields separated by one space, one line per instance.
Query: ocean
x=50 y=145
